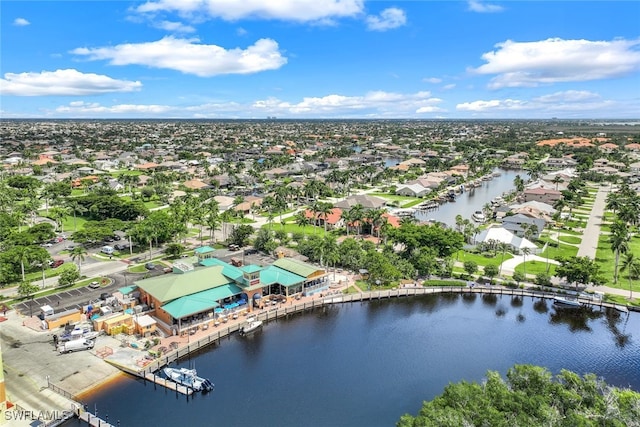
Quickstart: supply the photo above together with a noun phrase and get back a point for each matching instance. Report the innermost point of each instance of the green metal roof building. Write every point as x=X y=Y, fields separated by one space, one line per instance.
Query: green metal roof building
x=195 y=293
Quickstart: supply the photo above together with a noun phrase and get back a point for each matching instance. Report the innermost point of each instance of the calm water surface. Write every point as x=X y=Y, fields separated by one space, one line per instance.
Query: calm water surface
x=473 y=200
x=366 y=364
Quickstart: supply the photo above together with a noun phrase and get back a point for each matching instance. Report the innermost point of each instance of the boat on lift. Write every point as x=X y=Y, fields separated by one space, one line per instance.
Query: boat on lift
x=188 y=378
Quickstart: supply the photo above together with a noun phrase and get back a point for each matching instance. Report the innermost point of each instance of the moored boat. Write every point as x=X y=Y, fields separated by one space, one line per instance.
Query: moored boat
x=188 y=378
x=567 y=302
x=251 y=326
x=478 y=216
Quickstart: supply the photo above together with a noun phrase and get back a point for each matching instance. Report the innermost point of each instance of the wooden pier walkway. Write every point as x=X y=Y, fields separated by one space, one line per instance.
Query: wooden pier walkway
x=214 y=337
x=92 y=420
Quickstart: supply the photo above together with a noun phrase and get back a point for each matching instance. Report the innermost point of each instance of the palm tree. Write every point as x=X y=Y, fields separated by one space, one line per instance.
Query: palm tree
x=58 y=214
x=377 y=219
x=23 y=255
x=41 y=256
x=302 y=220
x=346 y=217
x=557 y=180
x=78 y=254
x=325 y=209
x=503 y=247
x=525 y=252
x=631 y=265
x=76 y=208
x=619 y=241
x=357 y=216
x=518 y=182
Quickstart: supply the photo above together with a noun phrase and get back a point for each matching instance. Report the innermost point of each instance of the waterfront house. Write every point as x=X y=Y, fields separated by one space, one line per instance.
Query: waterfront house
x=412 y=190
x=520 y=224
x=502 y=235
x=545 y=195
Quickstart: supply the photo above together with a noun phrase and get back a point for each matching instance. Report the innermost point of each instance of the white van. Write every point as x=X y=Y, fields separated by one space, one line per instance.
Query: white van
x=107 y=250
x=76 y=345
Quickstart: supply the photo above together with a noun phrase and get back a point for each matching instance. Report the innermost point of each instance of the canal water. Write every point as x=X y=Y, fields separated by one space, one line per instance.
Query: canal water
x=473 y=200
x=366 y=364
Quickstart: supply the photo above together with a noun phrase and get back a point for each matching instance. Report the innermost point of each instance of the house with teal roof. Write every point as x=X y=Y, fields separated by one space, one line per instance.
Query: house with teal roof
x=214 y=288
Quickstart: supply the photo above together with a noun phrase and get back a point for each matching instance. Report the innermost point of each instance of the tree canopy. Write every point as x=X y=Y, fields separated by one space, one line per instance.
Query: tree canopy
x=529 y=396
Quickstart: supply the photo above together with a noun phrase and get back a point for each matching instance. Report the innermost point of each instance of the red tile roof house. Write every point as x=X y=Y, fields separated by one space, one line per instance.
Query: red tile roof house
x=545 y=195
x=333 y=219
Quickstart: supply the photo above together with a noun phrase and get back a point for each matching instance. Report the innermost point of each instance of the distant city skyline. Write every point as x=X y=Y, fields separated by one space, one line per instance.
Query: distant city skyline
x=320 y=59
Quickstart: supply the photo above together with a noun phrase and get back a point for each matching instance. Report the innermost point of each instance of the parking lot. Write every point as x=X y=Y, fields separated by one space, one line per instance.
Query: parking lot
x=65 y=300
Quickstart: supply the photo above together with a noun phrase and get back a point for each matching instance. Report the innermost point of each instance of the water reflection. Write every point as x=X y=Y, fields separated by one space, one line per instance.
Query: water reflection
x=540 y=306
x=613 y=318
x=381 y=359
x=577 y=318
x=516 y=301
x=490 y=299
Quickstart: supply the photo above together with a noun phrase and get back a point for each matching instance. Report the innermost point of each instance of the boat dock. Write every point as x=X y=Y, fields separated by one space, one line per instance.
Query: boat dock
x=93 y=420
x=150 y=376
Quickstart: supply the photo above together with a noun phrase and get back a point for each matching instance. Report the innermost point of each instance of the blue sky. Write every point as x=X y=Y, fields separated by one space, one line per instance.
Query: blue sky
x=320 y=59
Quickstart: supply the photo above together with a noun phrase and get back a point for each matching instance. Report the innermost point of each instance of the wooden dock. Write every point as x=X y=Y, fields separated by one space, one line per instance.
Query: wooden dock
x=92 y=420
x=168 y=383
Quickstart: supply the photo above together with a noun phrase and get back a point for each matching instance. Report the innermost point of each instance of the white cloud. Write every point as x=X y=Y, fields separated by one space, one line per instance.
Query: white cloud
x=81 y=108
x=378 y=102
x=190 y=57
x=481 y=7
x=528 y=64
x=174 y=27
x=388 y=19
x=21 y=22
x=493 y=105
x=568 y=103
x=63 y=82
x=433 y=80
x=449 y=86
x=234 y=10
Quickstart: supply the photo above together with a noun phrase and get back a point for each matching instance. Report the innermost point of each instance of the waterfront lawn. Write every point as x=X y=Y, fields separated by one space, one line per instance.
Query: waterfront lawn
x=606 y=260
x=622 y=300
x=565 y=251
x=436 y=282
x=482 y=260
x=570 y=239
x=402 y=201
x=536 y=267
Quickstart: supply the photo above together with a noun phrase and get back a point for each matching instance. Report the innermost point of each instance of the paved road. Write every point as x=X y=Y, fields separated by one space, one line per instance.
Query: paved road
x=589 y=243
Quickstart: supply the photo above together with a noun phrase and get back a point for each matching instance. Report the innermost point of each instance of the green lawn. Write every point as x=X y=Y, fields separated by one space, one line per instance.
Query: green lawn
x=481 y=260
x=570 y=239
x=116 y=174
x=561 y=251
x=573 y=233
x=403 y=201
x=606 y=259
x=36 y=276
x=291 y=227
x=536 y=267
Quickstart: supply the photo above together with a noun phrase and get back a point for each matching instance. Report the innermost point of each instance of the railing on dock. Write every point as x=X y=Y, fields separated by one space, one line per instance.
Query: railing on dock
x=291 y=308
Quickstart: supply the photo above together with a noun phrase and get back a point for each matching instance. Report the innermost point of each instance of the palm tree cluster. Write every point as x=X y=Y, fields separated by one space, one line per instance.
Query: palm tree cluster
x=625 y=204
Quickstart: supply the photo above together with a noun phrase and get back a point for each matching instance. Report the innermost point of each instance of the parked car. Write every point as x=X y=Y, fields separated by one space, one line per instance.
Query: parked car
x=150 y=266
x=76 y=345
x=70 y=247
x=116 y=237
x=233 y=247
x=250 y=251
x=47 y=245
x=57 y=263
x=94 y=285
x=120 y=246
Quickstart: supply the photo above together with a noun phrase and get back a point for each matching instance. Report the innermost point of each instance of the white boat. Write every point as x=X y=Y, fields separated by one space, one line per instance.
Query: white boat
x=478 y=216
x=567 y=301
x=251 y=326
x=188 y=378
